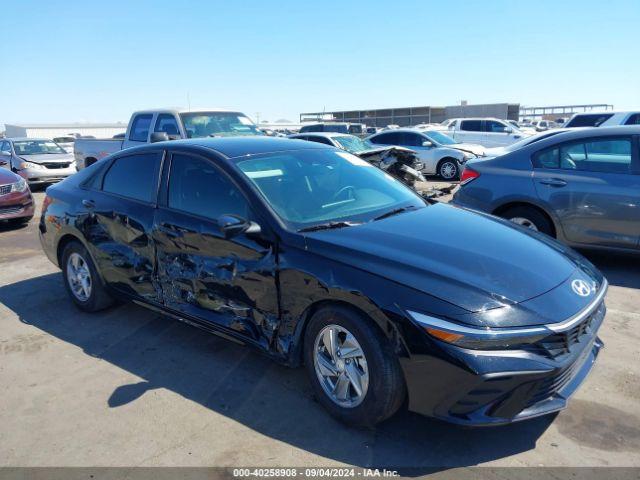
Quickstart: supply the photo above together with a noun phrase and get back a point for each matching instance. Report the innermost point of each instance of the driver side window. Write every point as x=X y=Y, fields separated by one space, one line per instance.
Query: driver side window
x=197 y=187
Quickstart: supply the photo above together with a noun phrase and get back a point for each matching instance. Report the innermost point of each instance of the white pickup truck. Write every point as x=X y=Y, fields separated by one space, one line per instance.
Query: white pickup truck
x=148 y=126
x=488 y=132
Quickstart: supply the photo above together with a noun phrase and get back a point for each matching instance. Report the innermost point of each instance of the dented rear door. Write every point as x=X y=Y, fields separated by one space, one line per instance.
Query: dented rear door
x=228 y=282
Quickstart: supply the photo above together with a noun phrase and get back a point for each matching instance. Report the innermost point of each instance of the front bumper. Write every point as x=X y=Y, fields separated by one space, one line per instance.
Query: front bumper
x=47 y=175
x=16 y=205
x=496 y=387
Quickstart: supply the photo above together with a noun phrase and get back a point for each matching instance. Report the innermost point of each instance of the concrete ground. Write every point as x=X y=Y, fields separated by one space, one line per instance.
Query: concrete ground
x=128 y=387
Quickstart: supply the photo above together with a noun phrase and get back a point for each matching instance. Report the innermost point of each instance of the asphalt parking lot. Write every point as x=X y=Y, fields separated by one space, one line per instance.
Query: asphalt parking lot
x=128 y=387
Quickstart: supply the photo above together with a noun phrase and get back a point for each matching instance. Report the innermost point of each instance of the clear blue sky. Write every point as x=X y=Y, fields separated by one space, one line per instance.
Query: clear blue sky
x=98 y=61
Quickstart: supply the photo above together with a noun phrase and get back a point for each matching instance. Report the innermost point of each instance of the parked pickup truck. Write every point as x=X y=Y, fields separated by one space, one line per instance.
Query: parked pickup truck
x=150 y=126
x=488 y=132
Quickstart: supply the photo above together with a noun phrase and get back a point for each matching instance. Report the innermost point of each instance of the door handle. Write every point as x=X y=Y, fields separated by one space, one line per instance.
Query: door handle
x=553 y=182
x=88 y=203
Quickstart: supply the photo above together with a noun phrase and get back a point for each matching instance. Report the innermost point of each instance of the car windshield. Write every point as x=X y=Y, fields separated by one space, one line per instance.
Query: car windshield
x=438 y=137
x=37 y=147
x=312 y=187
x=354 y=144
x=217 y=124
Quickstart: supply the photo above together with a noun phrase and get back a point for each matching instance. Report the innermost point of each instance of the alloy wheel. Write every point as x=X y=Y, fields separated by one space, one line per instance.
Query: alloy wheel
x=448 y=170
x=524 y=222
x=341 y=366
x=79 y=277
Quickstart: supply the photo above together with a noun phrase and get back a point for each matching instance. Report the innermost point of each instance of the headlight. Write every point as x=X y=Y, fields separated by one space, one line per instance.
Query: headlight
x=19 y=186
x=24 y=165
x=479 y=338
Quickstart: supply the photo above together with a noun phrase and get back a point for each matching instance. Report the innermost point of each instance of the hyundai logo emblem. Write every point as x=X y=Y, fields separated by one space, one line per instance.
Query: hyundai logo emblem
x=581 y=287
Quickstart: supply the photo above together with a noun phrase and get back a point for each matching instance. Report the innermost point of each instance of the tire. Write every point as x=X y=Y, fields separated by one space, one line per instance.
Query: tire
x=383 y=389
x=97 y=298
x=449 y=169
x=529 y=217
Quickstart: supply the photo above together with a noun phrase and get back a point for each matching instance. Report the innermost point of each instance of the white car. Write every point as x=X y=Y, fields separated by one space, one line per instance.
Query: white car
x=488 y=132
x=436 y=151
x=603 y=119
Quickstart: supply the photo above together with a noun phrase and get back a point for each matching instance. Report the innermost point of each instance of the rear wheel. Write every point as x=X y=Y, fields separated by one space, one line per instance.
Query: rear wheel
x=81 y=279
x=354 y=371
x=448 y=169
x=530 y=218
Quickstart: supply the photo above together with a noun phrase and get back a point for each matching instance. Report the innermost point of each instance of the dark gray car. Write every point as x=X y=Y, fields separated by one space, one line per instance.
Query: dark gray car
x=581 y=187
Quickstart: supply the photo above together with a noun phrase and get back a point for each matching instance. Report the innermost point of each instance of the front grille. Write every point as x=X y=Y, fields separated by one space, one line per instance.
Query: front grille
x=559 y=344
x=4 y=189
x=56 y=165
x=10 y=210
x=550 y=385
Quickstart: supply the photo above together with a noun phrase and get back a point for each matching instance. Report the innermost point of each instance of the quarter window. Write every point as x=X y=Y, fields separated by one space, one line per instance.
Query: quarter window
x=633 y=119
x=140 y=128
x=134 y=176
x=197 y=187
x=6 y=147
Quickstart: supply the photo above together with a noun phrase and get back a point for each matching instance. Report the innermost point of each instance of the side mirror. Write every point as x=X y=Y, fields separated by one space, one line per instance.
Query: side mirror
x=427 y=143
x=508 y=130
x=233 y=225
x=159 y=137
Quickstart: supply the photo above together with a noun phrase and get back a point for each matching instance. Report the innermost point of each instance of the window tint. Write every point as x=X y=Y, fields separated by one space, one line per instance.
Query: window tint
x=135 y=176
x=140 y=128
x=196 y=186
x=167 y=123
x=589 y=120
x=313 y=138
x=547 y=159
x=633 y=119
x=493 y=127
x=471 y=125
x=6 y=147
x=606 y=155
x=411 y=139
x=391 y=138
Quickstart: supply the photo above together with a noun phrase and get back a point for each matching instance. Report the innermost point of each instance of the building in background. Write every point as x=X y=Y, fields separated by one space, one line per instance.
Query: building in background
x=53 y=130
x=406 y=116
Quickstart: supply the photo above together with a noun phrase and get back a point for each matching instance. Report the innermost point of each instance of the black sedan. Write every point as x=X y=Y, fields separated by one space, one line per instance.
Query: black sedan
x=315 y=257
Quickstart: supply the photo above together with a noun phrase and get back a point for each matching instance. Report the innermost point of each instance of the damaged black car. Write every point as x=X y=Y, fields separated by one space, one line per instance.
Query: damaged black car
x=316 y=258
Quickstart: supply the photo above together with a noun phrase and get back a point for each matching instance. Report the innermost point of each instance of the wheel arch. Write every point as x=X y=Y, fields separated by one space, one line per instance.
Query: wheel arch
x=499 y=211
x=65 y=240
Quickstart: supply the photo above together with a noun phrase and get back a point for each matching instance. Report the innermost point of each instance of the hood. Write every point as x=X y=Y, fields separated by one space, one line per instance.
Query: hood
x=7 y=177
x=470 y=260
x=49 y=158
x=477 y=150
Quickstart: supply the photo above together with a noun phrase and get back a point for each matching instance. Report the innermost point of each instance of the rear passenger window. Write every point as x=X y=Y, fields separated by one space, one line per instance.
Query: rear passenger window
x=605 y=155
x=197 y=187
x=471 y=125
x=140 y=128
x=134 y=176
x=391 y=138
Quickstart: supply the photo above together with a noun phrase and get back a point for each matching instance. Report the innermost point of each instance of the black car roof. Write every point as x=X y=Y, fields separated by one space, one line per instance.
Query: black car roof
x=241 y=146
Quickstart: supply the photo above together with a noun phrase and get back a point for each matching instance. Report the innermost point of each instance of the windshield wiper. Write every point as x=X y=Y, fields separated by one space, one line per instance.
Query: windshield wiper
x=327 y=226
x=393 y=212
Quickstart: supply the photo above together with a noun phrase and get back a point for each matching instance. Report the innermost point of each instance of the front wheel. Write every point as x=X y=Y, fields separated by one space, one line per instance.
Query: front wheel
x=81 y=279
x=449 y=169
x=354 y=371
